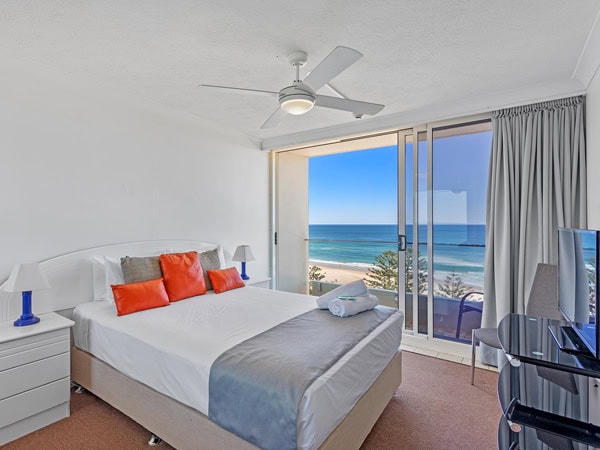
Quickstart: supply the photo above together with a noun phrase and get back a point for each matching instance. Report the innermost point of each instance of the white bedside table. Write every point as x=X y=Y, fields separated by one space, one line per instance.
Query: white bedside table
x=35 y=374
x=263 y=282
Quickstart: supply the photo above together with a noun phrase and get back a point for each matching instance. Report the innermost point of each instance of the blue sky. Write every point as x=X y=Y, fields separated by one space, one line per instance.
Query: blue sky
x=361 y=187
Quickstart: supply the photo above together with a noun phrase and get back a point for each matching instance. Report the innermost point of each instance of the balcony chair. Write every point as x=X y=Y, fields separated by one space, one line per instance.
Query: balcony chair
x=543 y=302
x=464 y=307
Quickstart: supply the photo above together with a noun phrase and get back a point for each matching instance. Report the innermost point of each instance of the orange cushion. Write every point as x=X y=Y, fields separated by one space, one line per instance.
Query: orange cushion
x=183 y=275
x=133 y=297
x=225 y=279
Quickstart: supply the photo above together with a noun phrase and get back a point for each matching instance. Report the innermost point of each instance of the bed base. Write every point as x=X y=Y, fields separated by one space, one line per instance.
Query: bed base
x=186 y=428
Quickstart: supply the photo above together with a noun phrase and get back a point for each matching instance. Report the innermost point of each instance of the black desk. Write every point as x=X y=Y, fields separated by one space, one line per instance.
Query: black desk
x=543 y=392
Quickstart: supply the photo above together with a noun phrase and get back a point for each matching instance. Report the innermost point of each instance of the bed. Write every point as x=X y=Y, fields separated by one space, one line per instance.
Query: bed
x=337 y=410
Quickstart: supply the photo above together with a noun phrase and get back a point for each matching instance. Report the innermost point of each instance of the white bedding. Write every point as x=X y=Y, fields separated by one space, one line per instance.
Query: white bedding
x=171 y=349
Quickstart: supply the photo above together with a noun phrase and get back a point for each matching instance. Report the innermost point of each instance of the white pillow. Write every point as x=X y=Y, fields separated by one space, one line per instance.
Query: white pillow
x=99 y=278
x=221 y=257
x=106 y=271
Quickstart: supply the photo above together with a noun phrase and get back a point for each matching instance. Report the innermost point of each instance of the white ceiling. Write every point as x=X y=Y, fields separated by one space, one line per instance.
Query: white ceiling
x=417 y=54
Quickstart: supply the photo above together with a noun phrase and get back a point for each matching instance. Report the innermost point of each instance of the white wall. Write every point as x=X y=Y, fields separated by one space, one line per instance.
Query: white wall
x=292 y=223
x=593 y=151
x=83 y=166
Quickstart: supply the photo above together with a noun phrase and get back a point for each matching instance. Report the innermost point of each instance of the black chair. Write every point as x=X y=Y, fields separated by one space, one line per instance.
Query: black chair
x=464 y=307
x=543 y=302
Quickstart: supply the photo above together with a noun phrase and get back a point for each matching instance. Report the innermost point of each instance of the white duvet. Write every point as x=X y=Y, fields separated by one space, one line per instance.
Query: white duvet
x=171 y=349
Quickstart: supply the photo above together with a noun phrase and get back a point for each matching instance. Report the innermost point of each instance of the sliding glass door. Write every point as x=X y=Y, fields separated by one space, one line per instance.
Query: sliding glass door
x=412 y=221
x=459 y=171
x=442 y=214
x=404 y=211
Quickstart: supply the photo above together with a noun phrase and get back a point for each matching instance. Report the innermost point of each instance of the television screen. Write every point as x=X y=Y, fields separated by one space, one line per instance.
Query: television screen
x=577 y=282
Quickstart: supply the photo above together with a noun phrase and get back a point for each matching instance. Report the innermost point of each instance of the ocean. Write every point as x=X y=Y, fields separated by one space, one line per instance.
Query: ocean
x=459 y=248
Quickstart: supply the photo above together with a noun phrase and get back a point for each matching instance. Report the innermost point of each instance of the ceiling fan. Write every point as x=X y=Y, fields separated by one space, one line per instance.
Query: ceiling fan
x=301 y=96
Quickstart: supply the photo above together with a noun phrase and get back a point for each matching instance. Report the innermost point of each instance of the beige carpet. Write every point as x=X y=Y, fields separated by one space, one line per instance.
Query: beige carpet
x=434 y=408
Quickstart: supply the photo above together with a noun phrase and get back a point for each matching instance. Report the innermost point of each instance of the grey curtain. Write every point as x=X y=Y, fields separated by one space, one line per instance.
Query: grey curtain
x=537 y=183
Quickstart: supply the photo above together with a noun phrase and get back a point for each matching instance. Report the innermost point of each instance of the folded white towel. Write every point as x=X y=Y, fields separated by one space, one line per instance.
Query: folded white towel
x=345 y=307
x=354 y=288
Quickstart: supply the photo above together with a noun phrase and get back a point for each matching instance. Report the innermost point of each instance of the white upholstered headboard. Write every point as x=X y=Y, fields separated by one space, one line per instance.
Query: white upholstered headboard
x=70 y=275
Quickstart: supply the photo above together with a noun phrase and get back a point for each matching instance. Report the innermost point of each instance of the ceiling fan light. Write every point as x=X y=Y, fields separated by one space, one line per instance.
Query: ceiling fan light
x=297 y=104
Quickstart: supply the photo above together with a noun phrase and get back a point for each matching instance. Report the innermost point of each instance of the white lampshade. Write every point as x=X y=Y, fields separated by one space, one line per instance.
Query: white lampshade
x=297 y=104
x=26 y=277
x=243 y=253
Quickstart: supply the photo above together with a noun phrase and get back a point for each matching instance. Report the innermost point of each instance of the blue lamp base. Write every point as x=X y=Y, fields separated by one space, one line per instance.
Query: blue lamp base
x=243 y=274
x=27 y=317
x=24 y=321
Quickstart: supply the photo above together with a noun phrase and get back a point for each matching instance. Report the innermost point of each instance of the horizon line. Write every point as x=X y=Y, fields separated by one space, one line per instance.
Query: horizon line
x=410 y=224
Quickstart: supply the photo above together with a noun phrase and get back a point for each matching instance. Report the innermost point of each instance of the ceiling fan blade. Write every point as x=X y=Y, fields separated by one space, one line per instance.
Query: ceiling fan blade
x=346 y=104
x=274 y=119
x=241 y=90
x=335 y=63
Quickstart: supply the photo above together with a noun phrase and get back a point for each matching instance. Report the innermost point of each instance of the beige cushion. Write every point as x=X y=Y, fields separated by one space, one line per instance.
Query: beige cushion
x=136 y=269
x=209 y=261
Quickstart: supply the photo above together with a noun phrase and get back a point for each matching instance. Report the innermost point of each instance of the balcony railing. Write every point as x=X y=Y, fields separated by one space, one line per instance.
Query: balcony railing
x=453 y=318
x=446 y=311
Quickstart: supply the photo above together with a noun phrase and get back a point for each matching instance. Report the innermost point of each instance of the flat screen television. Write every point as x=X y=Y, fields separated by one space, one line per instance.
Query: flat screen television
x=577 y=288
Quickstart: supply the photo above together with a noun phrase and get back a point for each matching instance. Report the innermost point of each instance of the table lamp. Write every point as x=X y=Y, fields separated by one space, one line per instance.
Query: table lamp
x=26 y=278
x=243 y=253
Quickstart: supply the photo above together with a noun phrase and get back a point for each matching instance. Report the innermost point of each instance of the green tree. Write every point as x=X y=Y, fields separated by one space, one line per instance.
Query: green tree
x=384 y=273
x=315 y=273
x=421 y=272
x=591 y=272
x=452 y=287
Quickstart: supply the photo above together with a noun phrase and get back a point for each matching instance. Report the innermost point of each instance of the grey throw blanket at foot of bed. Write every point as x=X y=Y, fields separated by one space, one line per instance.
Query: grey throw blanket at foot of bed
x=255 y=388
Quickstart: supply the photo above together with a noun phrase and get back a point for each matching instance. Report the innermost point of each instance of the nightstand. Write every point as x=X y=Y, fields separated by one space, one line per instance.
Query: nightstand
x=263 y=282
x=35 y=377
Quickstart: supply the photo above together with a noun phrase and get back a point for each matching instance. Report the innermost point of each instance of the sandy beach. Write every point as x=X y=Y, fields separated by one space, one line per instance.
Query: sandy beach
x=340 y=273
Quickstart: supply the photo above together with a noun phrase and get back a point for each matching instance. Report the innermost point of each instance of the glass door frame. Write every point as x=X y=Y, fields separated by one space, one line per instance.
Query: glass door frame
x=401 y=136
x=401 y=212
x=414 y=134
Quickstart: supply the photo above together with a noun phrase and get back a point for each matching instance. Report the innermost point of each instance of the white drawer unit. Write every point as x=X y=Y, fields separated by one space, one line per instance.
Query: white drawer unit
x=34 y=375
